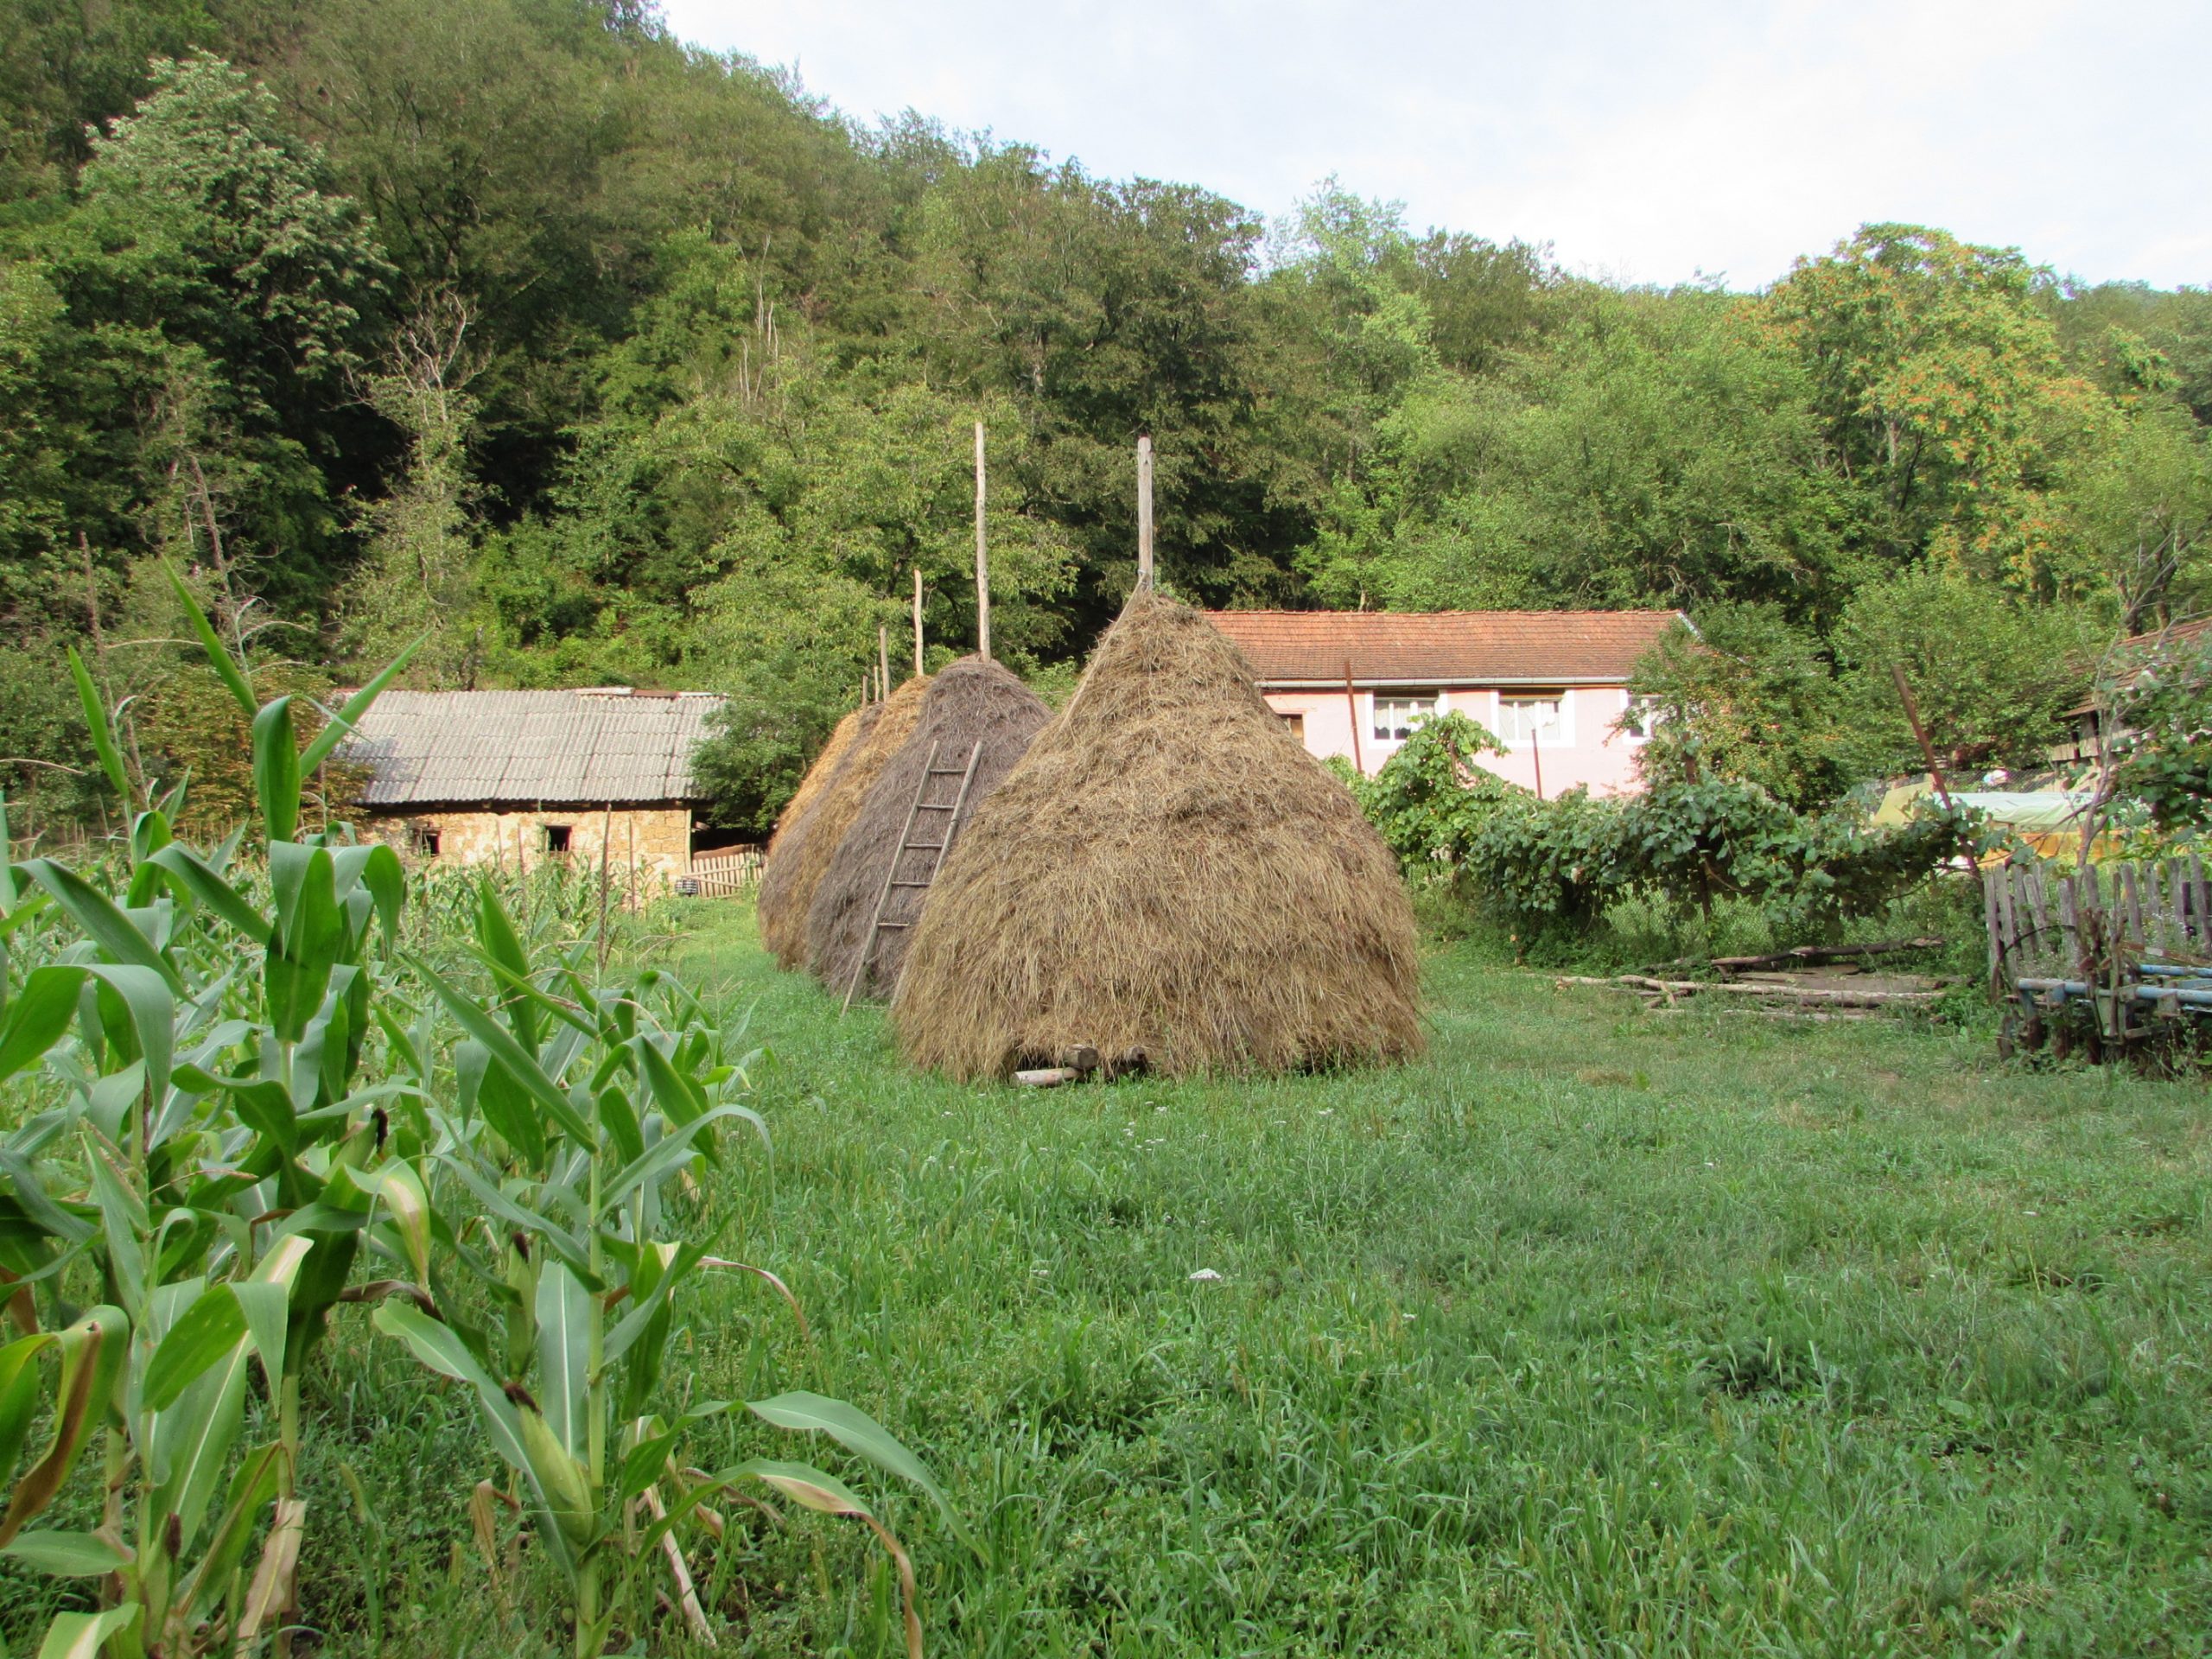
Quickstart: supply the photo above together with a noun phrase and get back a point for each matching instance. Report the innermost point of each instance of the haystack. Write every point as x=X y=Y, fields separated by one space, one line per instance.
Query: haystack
x=972 y=705
x=1167 y=878
x=848 y=731
x=772 y=900
x=788 y=879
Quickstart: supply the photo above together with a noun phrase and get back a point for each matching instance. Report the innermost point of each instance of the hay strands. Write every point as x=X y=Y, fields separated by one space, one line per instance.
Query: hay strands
x=1668 y=990
x=944 y=833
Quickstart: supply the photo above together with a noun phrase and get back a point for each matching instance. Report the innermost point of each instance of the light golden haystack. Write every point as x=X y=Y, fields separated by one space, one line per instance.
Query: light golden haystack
x=803 y=850
x=972 y=704
x=1167 y=878
x=772 y=901
x=848 y=731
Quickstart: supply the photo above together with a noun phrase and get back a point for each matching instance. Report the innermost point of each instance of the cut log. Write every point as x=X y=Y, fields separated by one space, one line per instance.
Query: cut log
x=1046 y=1077
x=1811 y=953
x=1672 y=988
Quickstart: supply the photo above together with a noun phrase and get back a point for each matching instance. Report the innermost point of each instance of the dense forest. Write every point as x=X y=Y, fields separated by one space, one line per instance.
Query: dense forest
x=598 y=357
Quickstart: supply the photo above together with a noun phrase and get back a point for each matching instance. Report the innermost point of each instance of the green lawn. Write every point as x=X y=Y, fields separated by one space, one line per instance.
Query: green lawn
x=1590 y=1333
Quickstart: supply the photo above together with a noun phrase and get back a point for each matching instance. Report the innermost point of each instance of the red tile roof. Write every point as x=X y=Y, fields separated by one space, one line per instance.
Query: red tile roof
x=1444 y=647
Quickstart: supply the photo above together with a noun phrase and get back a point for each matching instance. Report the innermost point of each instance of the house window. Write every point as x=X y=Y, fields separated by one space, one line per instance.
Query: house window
x=1394 y=716
x=556 y=839
x=426 y=840
x=1637 y=714
x=1523 y=720
x=1296 y=723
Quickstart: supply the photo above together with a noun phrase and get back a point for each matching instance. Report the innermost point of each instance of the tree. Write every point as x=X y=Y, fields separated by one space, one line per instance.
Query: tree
x=2137 y=516
x=1991 y=674
x=1941 y=393
x=1746 y=696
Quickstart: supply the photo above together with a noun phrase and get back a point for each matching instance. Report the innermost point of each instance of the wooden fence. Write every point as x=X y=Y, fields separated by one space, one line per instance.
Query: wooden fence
x=2131 y=944
x=722 y=874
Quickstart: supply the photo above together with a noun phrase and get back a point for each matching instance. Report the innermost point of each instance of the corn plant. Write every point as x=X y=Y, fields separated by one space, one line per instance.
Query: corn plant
x=580 y=1110
x=207 y=1154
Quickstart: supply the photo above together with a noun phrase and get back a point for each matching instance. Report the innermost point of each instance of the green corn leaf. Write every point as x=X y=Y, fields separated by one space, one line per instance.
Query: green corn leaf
x=153 y=1018
x=219 y=657
x=496 y=934
x=858 y=1433
x=19 y=1395
x=92 y=1354
x=350 y=712
x=192 y=1440
x=439 y=1348
x=408 y=1203
x=276 y=770
x=37 y=1016
x=81 y=1636
x=91 y=910
x=252 y=1488
x=8 y=890
x=206 y=1331
x=568 y=1248
x=210 y=889
x=266 y=1307
x=565 y=1314
x=661 y=1160
x=644 y=1463
x=96 y=717
x=507 y=1052
x=67 y=1554
x=672 y=1092
x=377 y=870
x=124 y=1221
x=25 y=911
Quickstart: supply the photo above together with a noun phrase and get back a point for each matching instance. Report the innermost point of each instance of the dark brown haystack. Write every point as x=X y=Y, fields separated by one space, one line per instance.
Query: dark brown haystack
x=970 y=702
x=772 y=902
x=787 y=881
x=1169 y=873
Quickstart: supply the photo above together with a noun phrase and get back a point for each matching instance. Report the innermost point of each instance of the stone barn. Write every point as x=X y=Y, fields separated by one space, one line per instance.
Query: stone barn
x=523 y=778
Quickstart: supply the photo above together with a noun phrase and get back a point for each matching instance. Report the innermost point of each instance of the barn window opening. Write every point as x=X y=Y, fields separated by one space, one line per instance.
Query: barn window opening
x=426 y=841
x=557 y=838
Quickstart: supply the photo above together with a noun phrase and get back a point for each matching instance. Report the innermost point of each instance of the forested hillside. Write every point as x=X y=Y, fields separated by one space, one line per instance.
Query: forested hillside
x=600 y=359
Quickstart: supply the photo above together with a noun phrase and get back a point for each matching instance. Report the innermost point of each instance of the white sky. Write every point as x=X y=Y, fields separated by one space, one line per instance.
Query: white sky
x=1646 y=143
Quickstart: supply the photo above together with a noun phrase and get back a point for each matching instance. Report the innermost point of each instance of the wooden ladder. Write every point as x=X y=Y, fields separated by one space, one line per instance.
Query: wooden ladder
x=877 y=926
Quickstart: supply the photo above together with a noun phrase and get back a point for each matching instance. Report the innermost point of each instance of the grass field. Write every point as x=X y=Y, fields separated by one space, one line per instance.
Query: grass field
x=1590 y=1333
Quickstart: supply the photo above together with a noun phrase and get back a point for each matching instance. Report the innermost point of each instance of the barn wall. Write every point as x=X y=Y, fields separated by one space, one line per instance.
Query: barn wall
x=660 y=835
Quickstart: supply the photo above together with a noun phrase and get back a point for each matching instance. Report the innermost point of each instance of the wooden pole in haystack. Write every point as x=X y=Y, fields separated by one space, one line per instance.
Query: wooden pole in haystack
x=883 y=656
x=1144 y=514
x=982 y=560
x=917 y=621
x=1351 y=708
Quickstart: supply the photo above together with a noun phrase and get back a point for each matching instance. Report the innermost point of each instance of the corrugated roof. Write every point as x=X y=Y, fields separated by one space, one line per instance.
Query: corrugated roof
x=1444 y=647
x=594 y=747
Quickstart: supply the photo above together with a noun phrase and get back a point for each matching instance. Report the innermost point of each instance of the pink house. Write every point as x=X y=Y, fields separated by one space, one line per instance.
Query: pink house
x=1551 y=685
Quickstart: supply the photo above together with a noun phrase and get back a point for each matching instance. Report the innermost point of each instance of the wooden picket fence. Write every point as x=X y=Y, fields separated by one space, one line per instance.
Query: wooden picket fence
x=2130 y=944
x=721 y=874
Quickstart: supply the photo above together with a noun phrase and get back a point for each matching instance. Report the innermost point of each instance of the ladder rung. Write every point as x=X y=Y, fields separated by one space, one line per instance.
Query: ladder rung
x=923 y=846
x=910 y=883
x=901 y=925
x=948 y=772
x=934 y=806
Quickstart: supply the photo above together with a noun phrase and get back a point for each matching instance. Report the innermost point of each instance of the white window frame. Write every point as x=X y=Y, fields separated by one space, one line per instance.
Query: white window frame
x=1621 y=729
x=1559 y=735
x=1431 y=704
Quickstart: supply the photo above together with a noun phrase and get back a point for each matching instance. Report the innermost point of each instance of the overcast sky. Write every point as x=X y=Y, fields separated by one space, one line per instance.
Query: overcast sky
x=1647 y=143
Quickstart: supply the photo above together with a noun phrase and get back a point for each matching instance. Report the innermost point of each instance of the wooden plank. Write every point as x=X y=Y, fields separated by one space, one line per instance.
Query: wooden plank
x=2070 y=924
x=2046 y=936
x=1992 y=927
x=2130 y=905
x=2201 y=889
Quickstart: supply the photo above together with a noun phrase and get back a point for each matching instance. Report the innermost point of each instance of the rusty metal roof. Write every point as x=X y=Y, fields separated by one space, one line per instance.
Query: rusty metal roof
x=1444 y=647
x=599 y=745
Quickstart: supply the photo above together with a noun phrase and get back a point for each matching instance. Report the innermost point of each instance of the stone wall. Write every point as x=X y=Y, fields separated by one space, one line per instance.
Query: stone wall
x=658 y=838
